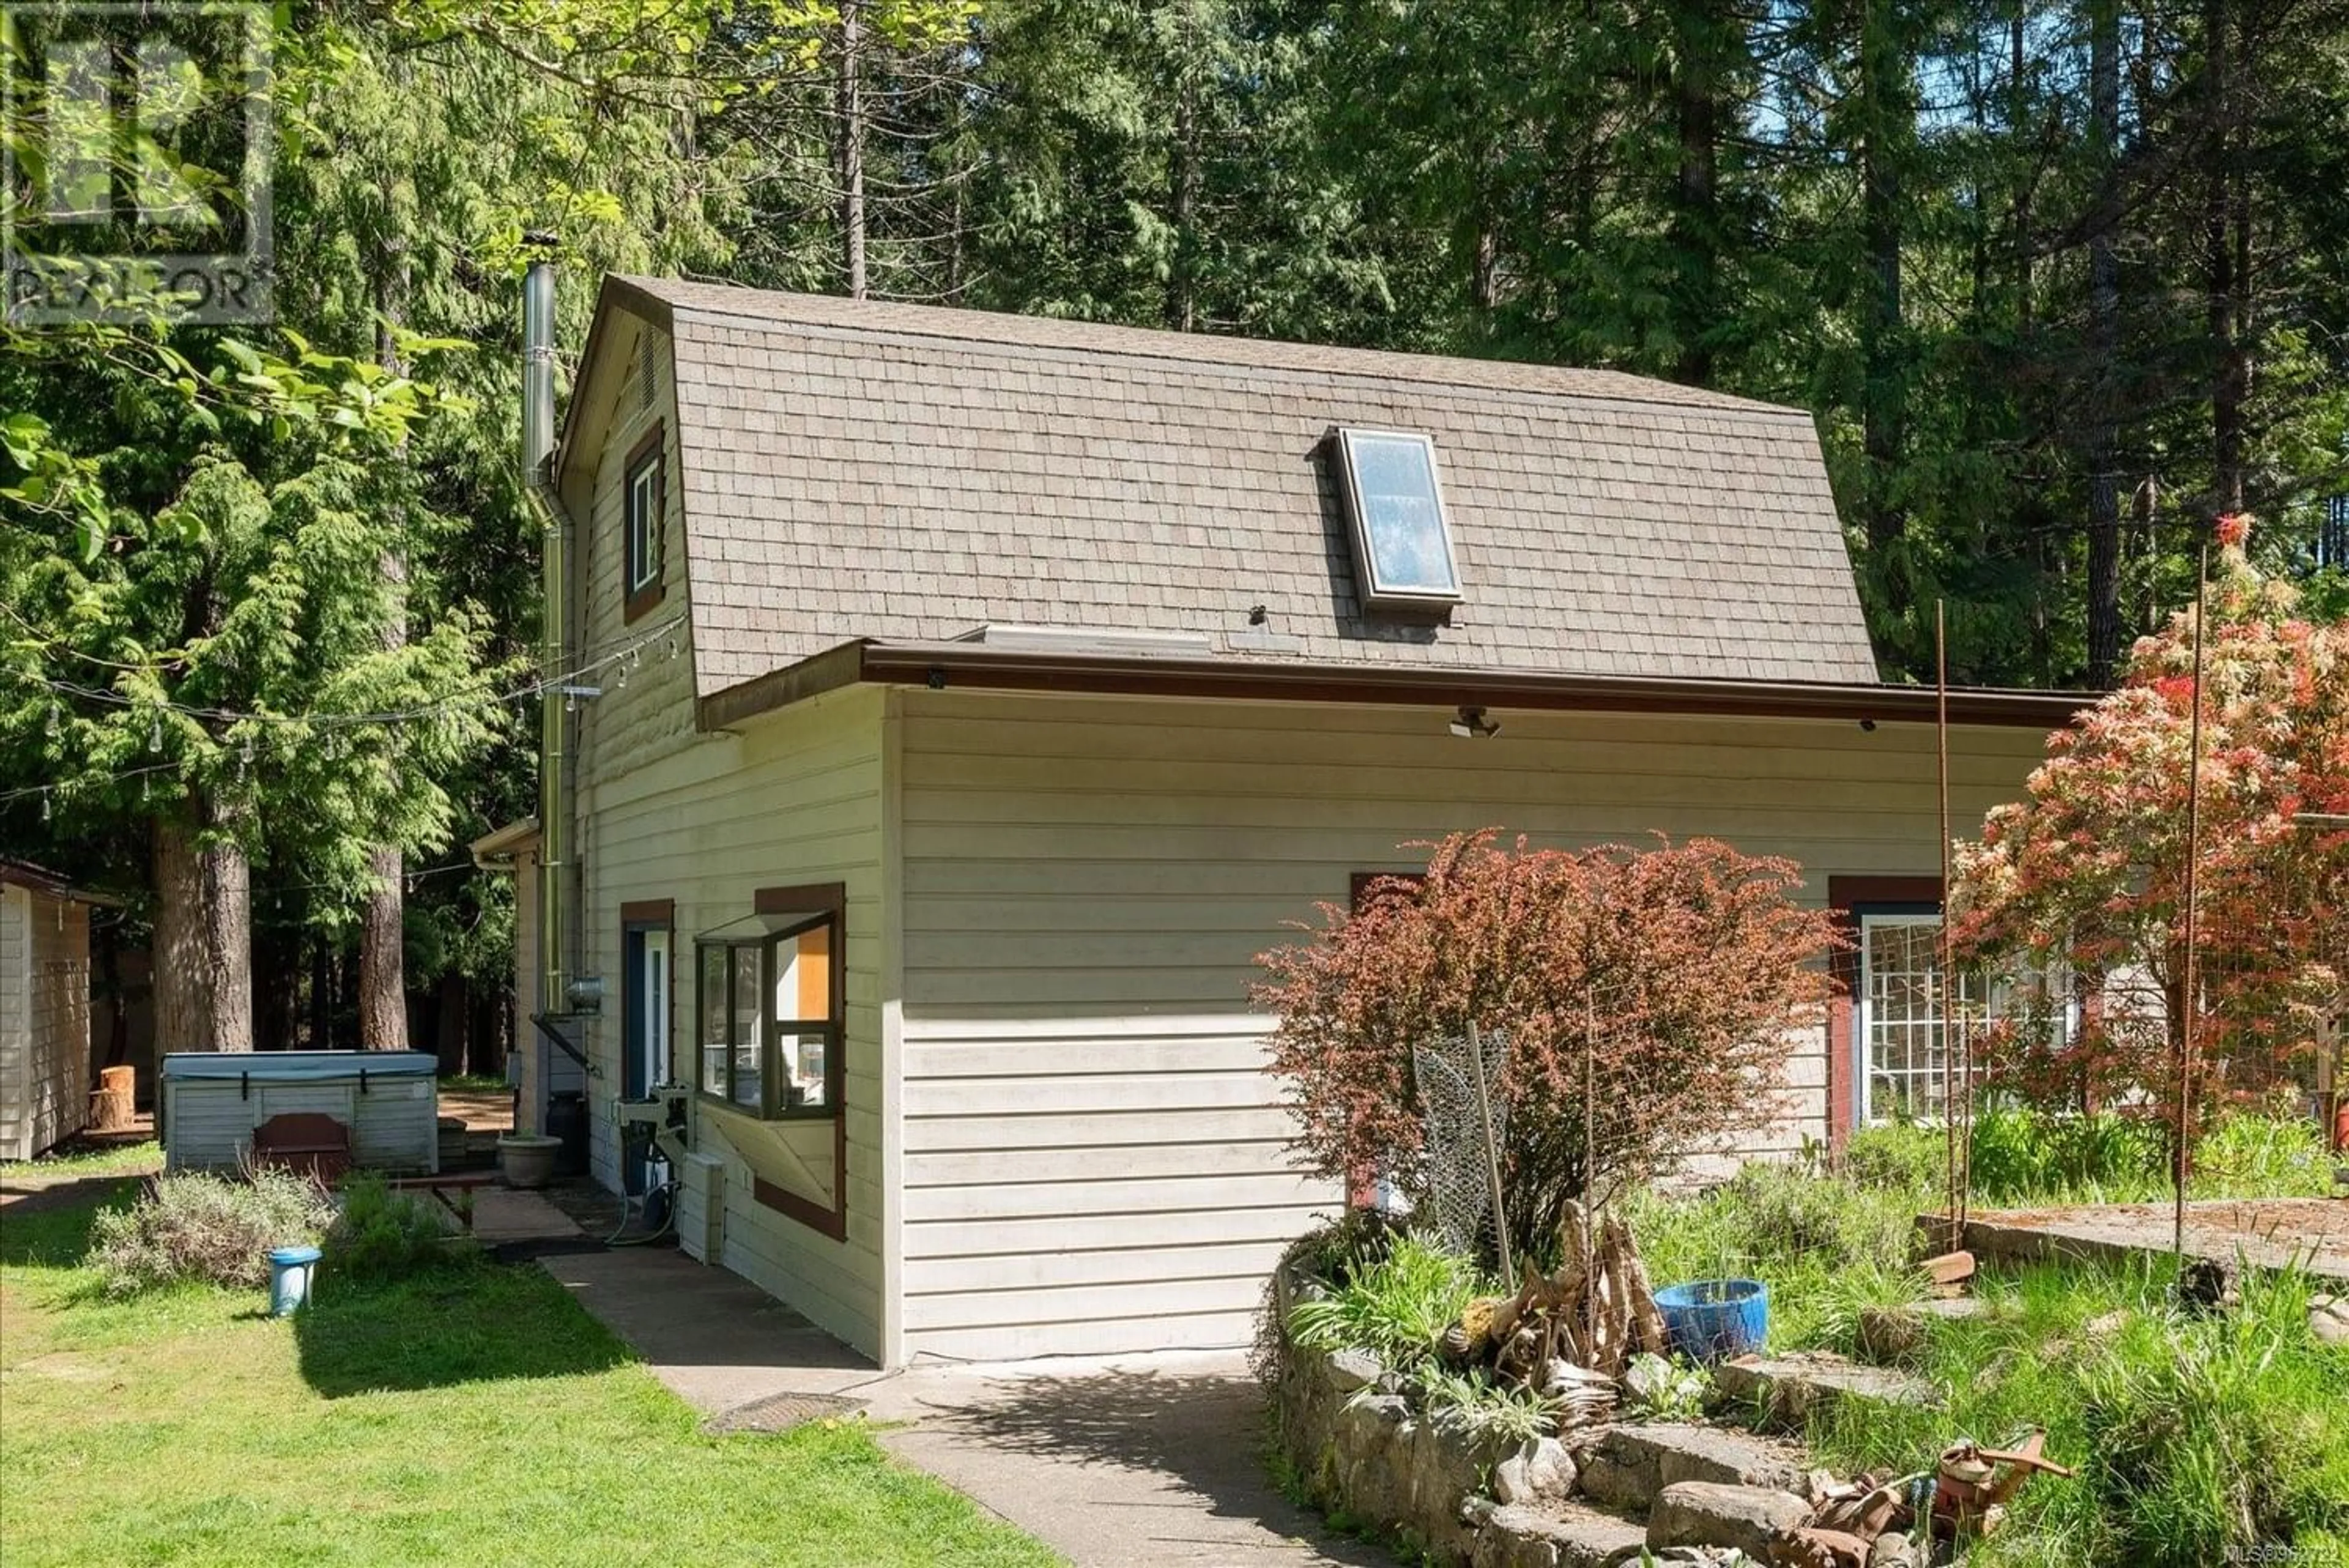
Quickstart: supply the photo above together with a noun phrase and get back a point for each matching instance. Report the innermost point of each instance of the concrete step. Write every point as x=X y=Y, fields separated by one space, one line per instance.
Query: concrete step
x=1891 y=1335
x=1748 y=1519
x=1559 y=1536
x=1629 y=1466
x=1785 y=1390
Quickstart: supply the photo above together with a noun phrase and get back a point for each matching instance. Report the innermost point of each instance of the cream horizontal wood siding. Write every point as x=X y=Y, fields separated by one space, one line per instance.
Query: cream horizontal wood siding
x=791 y=797
x=666 y=811
x=1094 y=1158
x=45 y=1048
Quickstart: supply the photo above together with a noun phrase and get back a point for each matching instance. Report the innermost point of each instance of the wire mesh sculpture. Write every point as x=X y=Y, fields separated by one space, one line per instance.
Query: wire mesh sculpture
x=1467 y=1124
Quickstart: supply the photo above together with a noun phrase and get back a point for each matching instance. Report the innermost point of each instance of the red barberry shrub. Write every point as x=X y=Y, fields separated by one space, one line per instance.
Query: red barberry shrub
x=1671 y=980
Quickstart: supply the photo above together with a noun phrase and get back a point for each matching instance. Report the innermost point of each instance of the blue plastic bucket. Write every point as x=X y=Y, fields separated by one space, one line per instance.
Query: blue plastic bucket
x=1713 y=1320
x=289 y=1278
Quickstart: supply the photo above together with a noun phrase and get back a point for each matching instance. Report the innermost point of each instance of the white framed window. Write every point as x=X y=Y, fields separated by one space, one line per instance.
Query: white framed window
x=1908 y=1021
x=644 y=526
x=773 y=1008
x=643 y=498
x=653 y=1009
x=1903 y=1017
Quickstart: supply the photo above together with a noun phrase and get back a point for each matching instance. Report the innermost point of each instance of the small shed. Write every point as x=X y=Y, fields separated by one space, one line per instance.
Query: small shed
x=210 y=1103
x=45 y=1056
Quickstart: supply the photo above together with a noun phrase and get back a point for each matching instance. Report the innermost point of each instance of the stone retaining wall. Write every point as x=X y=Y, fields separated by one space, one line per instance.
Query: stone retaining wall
x=1368 y=1459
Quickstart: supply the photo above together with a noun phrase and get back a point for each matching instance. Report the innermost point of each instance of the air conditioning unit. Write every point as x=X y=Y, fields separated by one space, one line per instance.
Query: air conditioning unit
x=701 y=1206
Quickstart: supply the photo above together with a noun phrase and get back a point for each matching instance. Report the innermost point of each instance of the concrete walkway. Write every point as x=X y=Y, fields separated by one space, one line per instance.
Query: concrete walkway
x=1152 y=1460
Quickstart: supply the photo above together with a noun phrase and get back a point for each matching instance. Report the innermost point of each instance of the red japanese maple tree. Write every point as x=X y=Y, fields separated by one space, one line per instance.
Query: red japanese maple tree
x=2089 y=871
x=1670 y=978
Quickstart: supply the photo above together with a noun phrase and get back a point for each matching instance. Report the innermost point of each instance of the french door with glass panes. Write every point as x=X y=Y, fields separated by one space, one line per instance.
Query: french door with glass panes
x=1903 y=1033
x=1903 y=1036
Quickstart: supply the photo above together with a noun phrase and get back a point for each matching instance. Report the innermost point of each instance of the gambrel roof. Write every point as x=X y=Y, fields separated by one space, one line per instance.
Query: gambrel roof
x=863 y=471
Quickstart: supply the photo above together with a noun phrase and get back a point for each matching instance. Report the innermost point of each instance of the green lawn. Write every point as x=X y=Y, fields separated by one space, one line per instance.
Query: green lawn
x=122 y=1159
x=478 y=1416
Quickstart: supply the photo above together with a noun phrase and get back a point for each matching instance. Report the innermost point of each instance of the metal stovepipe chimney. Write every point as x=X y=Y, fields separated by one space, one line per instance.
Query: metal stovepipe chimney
x=538 y=482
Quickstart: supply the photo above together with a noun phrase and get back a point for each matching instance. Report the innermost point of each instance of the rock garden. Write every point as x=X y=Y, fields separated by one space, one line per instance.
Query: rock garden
x=1553 y=1332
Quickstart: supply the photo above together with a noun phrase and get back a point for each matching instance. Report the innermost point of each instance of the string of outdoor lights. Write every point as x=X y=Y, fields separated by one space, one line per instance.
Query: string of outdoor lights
x=567 y=684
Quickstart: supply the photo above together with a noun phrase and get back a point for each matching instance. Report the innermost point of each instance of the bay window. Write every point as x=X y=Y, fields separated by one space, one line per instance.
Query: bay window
x=771 y=1008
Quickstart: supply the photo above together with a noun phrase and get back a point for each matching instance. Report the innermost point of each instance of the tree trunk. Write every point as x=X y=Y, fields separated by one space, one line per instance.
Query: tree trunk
x=322 y=993
x=204 y=942
x=383 y=991
x=1884 y=67
x=1484 y=282
x=383 y=914
x=849 y=143
x=2229 y=368
x=1696 y=237
x=228 y=944
x=1184 y=198
x=2104 y=352
x=2017 y=111
x=181 y=962
x=450 y=1025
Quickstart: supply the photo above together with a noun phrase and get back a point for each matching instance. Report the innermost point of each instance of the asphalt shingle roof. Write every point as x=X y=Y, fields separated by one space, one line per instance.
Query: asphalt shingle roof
x=861 y=470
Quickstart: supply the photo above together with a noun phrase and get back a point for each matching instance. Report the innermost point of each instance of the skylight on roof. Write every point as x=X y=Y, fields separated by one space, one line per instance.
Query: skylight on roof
x=1403 y=546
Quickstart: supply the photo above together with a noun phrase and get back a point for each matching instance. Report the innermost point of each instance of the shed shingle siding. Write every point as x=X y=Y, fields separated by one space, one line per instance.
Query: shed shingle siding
x=854 y=470
x=45 y=1061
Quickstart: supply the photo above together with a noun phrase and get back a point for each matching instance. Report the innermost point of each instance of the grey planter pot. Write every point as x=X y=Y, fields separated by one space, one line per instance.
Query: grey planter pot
x=527 y=1159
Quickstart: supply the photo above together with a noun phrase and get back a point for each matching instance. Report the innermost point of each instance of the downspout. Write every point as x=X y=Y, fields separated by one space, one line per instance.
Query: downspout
x=538 y=482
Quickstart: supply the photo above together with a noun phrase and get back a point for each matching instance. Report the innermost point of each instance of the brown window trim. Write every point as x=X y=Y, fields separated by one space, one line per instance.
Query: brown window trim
x=1849 y=898
x=831 y=899
x=1359 y=884
x=635 y=602
x=831 y=1222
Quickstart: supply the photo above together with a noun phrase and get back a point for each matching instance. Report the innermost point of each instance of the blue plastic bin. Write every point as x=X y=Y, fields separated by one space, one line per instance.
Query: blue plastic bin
x=289 y=1278
x=1713 y=1320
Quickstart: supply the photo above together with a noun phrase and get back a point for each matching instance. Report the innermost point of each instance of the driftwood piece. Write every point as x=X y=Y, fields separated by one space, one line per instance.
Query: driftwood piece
x=1593 y=1312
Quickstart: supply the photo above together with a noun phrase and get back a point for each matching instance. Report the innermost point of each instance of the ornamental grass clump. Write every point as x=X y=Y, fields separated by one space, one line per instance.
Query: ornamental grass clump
x=2213 y=1439
x=1395 y=1305
x=1645 y=998
x=382 y=1235
x=218 y=1230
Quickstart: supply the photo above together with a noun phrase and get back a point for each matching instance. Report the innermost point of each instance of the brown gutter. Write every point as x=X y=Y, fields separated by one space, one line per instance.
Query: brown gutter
x=35 y=879
x=950 y=665
x=821 y=672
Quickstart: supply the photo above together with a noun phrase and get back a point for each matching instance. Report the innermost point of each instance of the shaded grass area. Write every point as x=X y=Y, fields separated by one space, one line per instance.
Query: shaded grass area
x=461 y=1417
x=2201 y=1440
x=109 y=1159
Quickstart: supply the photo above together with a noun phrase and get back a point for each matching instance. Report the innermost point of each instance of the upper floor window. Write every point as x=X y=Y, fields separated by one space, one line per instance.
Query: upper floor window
x=1403 y=545
x=646 y=489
